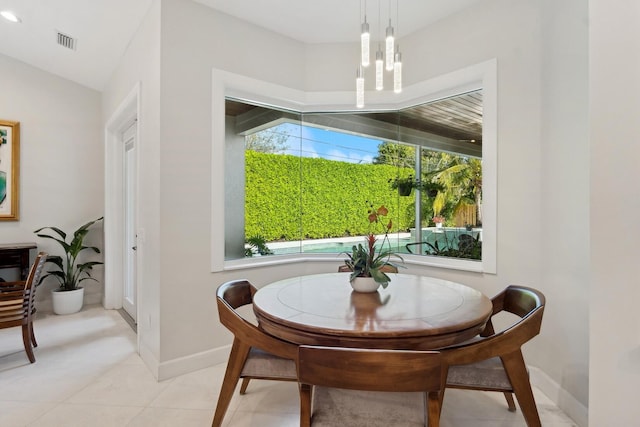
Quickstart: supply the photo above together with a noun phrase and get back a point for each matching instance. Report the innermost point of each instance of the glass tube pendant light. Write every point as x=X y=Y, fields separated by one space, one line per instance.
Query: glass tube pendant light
x=379 y=69
x=364 y=39
x=360 y=87
x=397 y=72
x=389 y=41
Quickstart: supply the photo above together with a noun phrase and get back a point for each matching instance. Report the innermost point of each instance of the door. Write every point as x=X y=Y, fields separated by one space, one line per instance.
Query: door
x=129 y=293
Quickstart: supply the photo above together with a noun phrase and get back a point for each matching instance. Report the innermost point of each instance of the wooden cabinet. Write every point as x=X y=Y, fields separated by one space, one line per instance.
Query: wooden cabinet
x=16 y=255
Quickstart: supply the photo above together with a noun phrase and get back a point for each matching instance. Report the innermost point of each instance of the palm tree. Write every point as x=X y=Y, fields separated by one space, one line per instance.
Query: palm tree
x=462 y=179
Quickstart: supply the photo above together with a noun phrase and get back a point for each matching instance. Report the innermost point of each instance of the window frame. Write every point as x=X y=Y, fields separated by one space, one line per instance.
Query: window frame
x=479 y=76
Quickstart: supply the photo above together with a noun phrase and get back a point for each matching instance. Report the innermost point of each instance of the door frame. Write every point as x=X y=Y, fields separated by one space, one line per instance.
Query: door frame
x=126 y=113
x=129 y=296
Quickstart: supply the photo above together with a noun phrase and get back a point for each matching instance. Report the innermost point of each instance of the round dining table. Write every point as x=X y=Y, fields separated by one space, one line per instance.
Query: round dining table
x=412 y=313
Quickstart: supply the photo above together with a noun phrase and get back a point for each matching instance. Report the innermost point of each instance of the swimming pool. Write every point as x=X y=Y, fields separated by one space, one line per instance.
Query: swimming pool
x=445 y=238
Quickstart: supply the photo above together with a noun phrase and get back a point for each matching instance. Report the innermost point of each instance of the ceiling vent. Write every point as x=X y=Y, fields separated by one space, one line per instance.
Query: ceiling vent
x=65 y=40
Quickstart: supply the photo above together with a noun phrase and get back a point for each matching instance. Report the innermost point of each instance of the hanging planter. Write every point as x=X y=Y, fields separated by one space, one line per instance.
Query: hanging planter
x=405 y=189
x=404 y=185
x=431 y=189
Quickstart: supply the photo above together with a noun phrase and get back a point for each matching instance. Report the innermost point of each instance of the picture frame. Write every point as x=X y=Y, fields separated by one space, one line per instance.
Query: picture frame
x=9 y=169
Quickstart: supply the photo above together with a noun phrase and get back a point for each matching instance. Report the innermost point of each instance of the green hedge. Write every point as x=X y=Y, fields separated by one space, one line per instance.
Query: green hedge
x=290 y=197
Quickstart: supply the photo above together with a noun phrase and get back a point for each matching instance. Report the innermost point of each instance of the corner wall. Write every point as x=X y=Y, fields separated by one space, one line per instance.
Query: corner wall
x=614 y=108
x=564 y=201
x=141 y=65
x=196 y=39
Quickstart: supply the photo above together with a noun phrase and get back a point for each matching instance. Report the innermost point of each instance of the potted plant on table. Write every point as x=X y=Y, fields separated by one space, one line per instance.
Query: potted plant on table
x=69 y=273
x=370 y=263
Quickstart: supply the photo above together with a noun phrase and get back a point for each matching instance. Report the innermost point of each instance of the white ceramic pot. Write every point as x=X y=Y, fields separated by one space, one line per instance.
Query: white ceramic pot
x=364 y=284
x=438 y=224
x=67 y=302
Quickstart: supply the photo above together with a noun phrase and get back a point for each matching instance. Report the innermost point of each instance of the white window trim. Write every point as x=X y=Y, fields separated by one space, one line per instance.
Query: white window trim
x=479 y=76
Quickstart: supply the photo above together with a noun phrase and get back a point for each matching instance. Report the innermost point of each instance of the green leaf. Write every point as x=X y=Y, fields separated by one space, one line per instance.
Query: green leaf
x=69 y=272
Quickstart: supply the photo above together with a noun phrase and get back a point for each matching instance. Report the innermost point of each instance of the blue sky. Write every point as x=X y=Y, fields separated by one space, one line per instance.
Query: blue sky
x=310 y=141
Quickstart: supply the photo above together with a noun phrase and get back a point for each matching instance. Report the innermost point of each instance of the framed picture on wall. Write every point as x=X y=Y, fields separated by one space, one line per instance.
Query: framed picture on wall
x=9 y=169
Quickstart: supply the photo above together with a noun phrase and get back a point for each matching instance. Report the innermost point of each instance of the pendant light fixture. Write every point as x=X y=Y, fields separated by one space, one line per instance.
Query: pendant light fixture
x=397 y=61
x=379 y=69
x=389 y=42
x=365 y=39
x=397 y=72
x=360 y=87
x=379 y=57
x=390 y=58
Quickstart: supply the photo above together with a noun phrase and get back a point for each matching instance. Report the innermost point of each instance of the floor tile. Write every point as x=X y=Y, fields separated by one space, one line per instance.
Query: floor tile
x=164 y=417
x=47 y=381
x=18 y=414
x=71 y=415
x=125 y=384
x=269 y=397
x=262 y=419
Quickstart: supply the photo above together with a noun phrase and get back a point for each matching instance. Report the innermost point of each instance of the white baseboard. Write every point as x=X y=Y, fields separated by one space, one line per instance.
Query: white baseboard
x=559 y=396
x=149 y=359
x=92 y=299
x=192 y=362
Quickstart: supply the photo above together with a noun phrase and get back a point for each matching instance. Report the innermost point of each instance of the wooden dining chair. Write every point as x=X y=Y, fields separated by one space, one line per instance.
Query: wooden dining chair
x=17 y=304
x=337 y=372
x=254 y=354
x=493 y=361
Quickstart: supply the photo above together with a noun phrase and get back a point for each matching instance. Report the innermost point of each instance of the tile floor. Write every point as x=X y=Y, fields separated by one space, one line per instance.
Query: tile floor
x=87 y=373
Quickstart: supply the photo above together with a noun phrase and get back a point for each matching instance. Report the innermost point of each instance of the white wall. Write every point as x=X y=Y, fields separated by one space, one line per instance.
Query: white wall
x=61 y=171
x=563 y=208
x=196 y=39
x=541 y=50
x=141 y=65
x=614 y=107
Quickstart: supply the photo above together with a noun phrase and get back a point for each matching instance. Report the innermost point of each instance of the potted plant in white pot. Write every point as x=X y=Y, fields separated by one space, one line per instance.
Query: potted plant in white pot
x=69 y=296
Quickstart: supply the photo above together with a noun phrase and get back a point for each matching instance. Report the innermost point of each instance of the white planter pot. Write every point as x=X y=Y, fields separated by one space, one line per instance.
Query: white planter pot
x=67 y=302
x=438 y=224
x=364 y=284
